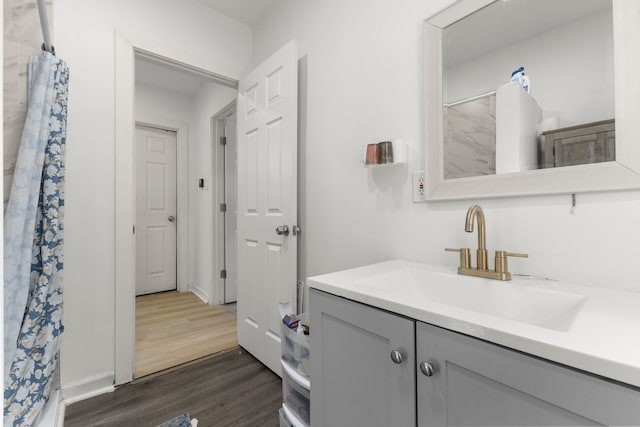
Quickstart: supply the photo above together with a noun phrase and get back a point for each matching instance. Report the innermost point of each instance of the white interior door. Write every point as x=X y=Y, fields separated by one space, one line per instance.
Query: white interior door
x=155 y=228
x=230 y=224
x=267 y=199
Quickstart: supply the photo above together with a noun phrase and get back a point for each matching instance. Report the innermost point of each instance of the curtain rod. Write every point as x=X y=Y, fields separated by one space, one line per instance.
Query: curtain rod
x=472 y=98
x=44 y=23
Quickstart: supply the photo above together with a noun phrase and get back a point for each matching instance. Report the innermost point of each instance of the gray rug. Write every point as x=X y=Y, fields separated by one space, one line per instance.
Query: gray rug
x=183 y=420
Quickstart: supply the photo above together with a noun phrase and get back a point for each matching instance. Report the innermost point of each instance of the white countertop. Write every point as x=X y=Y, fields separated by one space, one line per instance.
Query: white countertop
x=603 y=339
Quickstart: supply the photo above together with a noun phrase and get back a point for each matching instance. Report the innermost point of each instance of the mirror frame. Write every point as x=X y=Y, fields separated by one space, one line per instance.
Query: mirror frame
x=621 y=174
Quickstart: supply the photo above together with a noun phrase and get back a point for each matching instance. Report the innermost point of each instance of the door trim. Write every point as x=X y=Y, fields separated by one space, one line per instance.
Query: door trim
x=127 y=45
x=182 y=191
x=218 y=245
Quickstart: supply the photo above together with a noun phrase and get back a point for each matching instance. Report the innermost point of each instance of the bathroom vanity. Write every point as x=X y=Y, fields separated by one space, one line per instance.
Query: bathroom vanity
x=405 y=344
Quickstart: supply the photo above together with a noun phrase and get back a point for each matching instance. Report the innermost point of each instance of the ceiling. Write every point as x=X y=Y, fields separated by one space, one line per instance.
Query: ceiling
x=245 y=11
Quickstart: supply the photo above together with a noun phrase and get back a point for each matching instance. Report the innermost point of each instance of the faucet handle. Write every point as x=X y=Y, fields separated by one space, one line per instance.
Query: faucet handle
x=465 y=256
x=501 y=260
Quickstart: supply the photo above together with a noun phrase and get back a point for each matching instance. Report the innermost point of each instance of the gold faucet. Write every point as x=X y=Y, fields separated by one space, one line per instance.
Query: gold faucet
x=501 y=271
x=475 y=211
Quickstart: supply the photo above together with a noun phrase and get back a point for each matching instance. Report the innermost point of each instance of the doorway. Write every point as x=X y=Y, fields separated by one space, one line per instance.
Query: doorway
x=129 y=46
x=177 y=316
x=280 y=133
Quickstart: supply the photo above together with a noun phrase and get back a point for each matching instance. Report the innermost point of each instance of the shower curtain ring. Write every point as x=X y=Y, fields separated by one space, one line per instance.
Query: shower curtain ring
x=52 y=51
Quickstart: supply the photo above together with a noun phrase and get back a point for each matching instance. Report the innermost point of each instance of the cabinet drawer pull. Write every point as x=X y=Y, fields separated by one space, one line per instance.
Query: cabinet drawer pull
x=397 y=357
x=426 y=369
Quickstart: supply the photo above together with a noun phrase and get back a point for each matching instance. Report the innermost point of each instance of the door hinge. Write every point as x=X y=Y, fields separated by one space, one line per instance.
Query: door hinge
x=223 y=207
x=223 y=140
x=223 y=274
x=134 y=229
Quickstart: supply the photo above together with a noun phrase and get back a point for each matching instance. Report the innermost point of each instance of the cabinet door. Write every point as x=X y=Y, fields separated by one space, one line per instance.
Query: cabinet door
x=578 y=150
x=354 y=381
x=476 y=383
x=590 y=143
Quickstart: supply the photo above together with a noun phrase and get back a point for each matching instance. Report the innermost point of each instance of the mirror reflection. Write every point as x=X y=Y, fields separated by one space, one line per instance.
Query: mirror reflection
x=535 y=91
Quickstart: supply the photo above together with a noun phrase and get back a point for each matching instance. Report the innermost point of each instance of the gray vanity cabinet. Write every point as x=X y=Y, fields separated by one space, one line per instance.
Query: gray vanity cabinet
x=355 y=381
x=460 y=380
x=476 y=383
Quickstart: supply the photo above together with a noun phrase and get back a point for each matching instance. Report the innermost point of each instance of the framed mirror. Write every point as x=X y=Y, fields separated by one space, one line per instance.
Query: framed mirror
x=486 y=136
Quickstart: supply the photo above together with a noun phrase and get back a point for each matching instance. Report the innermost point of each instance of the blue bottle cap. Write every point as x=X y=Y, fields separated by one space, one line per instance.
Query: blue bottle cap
x=519 y=70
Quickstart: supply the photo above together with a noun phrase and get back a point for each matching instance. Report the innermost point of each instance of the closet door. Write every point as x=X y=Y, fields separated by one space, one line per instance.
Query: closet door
x=156 y=209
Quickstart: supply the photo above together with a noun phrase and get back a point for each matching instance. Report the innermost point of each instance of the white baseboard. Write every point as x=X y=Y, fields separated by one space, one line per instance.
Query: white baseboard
x=199 y=293
x=62 y=408
x=88 y=388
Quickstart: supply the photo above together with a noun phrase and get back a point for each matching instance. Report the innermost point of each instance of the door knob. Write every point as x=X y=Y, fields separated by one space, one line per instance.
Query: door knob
x=282 y=230
x=172 y=218
x=397 y=357
x=427 y=369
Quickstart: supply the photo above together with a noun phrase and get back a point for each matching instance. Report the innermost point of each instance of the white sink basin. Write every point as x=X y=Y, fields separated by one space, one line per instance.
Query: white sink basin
x=588 y=327
x=507 y=300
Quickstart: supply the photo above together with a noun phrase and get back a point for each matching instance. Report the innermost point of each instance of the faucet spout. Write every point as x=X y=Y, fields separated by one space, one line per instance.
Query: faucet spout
x=501 y=272
x=475 y=212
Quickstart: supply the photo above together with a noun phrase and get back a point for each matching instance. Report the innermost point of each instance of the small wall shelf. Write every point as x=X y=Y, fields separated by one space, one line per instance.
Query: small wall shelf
x=398 y=154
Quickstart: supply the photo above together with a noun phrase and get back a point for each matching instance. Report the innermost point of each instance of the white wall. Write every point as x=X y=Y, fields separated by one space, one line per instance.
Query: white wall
x=571 y=70
x=210 y=99
x=362 y=68
x=84 y=37
x=155 y=102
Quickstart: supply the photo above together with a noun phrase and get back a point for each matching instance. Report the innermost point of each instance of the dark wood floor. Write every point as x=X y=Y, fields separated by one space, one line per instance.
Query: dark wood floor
x=228 y=389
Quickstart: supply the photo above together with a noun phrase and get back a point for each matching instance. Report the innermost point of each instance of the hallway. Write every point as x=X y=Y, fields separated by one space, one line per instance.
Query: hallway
x=173 y=328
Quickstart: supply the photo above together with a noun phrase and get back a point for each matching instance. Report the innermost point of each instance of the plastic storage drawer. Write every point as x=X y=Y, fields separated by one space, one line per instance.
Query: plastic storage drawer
x=295 y=396
x=284 y=421
x=295 y=348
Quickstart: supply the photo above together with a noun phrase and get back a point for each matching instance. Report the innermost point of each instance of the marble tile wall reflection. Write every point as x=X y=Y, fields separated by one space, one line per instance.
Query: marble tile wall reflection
x=22 y=37
x=470 y=139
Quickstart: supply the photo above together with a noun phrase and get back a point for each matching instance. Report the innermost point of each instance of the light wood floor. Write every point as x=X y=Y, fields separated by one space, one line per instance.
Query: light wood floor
x=177 y=327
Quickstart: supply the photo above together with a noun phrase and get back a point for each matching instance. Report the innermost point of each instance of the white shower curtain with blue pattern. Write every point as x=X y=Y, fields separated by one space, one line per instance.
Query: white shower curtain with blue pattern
x=33 y=246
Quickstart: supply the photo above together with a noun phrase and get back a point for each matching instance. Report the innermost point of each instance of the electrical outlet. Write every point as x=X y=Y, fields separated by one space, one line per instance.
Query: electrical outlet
x=418 y=190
